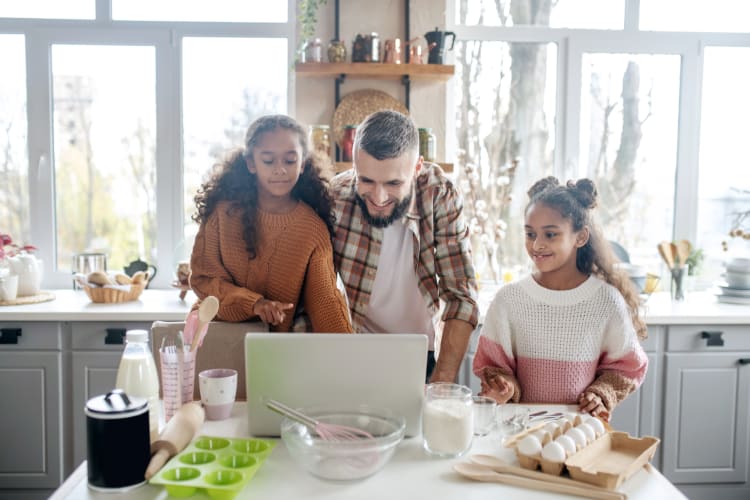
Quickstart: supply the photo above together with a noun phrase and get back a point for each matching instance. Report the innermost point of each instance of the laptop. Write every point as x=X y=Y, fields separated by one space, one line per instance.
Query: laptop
x=341 y=371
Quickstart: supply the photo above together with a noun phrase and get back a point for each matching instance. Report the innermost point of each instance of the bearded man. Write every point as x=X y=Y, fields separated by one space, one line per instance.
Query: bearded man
x=402 y=244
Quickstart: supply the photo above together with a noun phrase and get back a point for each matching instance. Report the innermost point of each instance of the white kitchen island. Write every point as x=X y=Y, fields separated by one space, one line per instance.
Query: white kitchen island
x=410 y=474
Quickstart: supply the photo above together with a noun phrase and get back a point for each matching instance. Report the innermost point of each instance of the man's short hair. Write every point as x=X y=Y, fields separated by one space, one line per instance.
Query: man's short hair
x=386 y=134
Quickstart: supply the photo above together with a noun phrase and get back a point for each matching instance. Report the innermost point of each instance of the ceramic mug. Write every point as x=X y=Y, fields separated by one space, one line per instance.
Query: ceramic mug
x=218 y=388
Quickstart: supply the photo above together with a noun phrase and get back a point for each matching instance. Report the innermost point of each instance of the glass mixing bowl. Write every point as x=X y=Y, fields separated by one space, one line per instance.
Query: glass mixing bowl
x=347 y=459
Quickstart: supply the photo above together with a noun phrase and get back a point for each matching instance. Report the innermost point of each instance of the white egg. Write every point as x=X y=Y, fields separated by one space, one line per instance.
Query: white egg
x=553 y=428
x=567 y=443
x=588 y=431
x=554 y=452
x=597 y=425
x=530 y=446
x=578 y=436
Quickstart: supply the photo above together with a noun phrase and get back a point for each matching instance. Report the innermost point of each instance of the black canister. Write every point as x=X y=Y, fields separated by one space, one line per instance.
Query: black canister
x=118 y=441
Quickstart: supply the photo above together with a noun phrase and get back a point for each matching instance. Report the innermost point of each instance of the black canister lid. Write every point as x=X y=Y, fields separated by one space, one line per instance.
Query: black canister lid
x=116 y=404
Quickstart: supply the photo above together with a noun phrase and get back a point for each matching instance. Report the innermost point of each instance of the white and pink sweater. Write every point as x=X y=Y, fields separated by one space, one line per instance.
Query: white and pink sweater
x=554 y=344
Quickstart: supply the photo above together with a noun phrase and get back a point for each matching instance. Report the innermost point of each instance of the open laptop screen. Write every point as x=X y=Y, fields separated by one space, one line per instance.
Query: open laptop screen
x=383 y=371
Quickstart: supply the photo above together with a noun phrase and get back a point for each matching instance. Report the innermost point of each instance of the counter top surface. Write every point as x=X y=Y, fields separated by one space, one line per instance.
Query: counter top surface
x=165 y=305
x=409 y=474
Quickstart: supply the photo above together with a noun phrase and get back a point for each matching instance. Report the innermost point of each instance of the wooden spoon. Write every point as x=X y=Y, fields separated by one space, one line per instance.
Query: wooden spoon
x=499 y=465
x=683 y=251
x=206 y=312
x=667 y=253
x=481 y=473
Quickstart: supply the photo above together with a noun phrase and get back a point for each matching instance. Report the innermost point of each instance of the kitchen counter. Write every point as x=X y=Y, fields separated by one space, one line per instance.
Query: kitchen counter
x=409 y=474
x=165 y=305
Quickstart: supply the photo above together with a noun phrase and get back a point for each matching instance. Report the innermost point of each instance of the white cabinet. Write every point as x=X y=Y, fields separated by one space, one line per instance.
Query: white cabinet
x=97 y=348
x=707 y=405
x=31 y=378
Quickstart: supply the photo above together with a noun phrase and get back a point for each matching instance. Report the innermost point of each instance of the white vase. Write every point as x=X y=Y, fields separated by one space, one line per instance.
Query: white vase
x=8 y=287
x=29 y=271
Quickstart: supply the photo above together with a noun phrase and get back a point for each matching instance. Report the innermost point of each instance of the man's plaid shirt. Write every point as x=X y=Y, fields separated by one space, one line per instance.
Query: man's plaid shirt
x=442 y=251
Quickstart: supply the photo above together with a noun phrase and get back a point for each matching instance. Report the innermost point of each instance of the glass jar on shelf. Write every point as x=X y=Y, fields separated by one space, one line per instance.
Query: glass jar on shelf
x=347 y=143
x=427 y=144
x=320 y=139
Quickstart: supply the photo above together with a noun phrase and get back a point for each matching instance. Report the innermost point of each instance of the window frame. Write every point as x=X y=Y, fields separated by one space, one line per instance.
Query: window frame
x=166 y=38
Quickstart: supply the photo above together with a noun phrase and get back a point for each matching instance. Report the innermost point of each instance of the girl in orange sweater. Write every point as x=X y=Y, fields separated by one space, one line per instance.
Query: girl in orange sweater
x=264 y=243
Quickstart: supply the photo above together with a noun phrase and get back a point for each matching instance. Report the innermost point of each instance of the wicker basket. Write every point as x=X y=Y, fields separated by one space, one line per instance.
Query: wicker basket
x=105 y=295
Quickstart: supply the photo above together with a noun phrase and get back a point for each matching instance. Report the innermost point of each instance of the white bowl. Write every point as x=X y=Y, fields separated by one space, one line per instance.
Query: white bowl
x=344 y=460
x=737 y=279
x=738 y=265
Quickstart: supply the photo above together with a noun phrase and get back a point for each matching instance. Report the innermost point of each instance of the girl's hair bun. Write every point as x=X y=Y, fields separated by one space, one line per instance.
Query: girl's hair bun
x=542 y=185
x=584 y=191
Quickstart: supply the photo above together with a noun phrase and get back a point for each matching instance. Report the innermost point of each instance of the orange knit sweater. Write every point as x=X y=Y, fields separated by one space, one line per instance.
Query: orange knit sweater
x=294 y=261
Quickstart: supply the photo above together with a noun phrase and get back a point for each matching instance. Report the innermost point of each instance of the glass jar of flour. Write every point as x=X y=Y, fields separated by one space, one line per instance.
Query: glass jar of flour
x=447 y=420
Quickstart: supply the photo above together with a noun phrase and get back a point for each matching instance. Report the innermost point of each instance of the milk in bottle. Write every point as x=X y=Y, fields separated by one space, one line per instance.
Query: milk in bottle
x=137 y=375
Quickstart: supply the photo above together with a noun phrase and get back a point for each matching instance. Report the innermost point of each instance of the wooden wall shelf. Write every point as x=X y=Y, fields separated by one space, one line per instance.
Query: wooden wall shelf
x=340 y=166
x=440 y=72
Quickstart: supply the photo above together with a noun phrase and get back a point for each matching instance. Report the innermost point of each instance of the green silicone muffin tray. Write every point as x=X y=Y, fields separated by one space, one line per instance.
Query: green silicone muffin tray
x=219 y=466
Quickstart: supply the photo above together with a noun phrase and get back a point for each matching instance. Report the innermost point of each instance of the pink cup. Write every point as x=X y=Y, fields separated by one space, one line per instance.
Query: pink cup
x=218 y=389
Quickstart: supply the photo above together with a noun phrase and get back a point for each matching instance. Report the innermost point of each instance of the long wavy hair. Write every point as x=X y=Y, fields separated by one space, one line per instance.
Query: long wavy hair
x=231 y=180
x=575 y=201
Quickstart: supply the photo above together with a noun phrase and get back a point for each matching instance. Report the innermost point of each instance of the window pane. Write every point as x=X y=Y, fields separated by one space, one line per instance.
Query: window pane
x=628 y=146
x=14 y=184
x=104 y=137
x=724 y=182
x=230 y=11
x=589 y=14
x=505 y=97
x=696 y=15
x=221 y=95
x=49 y=9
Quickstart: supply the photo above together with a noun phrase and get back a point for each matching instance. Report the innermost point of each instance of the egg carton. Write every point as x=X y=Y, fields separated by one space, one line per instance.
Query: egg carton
x=218 y=466
x=606 y=461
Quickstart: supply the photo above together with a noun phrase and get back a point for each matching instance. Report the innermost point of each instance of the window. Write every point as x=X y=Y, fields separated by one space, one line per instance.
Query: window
x=724 y=181
x=14 y=196
x=49 y=9
x=621 y=106
x=125 y=118
x=105 y=142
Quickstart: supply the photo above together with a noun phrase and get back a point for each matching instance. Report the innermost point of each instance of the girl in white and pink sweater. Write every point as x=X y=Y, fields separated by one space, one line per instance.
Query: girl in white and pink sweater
x=569 y=333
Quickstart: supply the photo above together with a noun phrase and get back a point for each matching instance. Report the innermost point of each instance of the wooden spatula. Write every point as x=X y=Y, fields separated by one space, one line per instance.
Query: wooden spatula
x=683 y=251
x=667 y=251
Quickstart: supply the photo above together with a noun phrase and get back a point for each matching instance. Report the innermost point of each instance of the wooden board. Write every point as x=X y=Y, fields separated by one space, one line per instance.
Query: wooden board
x=29 y=299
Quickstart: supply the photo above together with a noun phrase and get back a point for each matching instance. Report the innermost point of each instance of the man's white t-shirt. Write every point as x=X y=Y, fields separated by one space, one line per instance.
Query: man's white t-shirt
x=396 y=304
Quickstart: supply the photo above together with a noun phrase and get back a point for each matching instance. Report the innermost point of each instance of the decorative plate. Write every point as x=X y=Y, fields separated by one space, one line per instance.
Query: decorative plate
x=355 y=107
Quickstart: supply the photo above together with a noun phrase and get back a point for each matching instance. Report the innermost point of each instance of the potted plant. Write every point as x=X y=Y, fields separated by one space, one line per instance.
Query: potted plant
x=307 y=11
x=20 y=271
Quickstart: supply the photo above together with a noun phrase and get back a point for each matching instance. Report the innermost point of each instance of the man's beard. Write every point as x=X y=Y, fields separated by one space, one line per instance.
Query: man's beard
x=398 y=211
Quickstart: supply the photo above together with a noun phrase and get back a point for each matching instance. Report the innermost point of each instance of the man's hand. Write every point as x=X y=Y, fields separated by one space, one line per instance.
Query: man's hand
x=271 y=311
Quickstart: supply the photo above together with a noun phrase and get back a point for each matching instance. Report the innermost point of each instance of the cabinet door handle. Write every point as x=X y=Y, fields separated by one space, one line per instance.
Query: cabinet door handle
x=9 y=335
x=744 y=361
x=713 y=338
x=115 y=336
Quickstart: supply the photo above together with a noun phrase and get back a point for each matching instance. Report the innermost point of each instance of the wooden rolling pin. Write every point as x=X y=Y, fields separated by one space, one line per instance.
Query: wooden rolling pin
x=177 y=434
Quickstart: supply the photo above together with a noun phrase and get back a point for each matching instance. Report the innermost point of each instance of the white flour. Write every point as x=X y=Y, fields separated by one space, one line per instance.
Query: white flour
x=447 y=426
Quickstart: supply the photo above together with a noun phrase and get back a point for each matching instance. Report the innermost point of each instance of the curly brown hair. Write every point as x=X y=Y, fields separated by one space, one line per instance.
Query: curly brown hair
x=231 y=180
x=575 y=202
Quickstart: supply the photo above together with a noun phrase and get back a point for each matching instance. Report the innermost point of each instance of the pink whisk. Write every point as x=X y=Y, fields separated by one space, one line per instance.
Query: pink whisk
x=327 y=432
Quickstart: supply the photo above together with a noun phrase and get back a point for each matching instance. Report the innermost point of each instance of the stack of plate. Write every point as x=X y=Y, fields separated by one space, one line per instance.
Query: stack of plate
x=735 y=289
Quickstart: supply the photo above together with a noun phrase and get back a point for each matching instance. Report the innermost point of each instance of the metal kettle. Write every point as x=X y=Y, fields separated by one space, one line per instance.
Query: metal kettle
x=436 y=40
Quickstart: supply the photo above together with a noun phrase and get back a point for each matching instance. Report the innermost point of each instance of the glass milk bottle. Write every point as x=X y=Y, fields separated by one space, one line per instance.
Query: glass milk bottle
x=447 y=420
x=137 y=375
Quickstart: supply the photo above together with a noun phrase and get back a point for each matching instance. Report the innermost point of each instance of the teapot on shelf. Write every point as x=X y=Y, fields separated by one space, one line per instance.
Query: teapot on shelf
x=139 y=265
x=417 y=48
x=437 y=44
